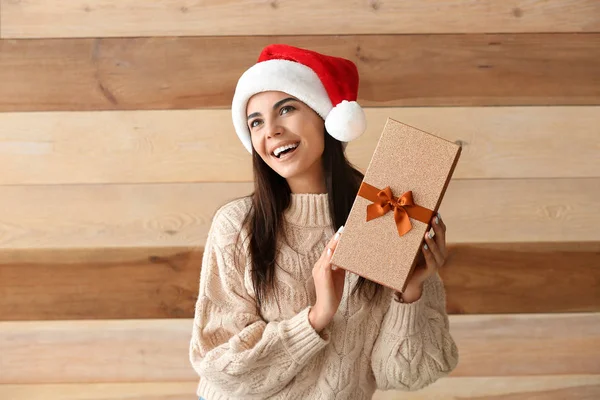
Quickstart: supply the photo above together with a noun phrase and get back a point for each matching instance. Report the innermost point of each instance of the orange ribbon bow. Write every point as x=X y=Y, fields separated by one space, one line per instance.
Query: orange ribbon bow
x=403 y=206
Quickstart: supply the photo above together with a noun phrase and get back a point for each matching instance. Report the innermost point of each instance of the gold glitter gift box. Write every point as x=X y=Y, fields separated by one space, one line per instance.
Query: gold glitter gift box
x=401 y=192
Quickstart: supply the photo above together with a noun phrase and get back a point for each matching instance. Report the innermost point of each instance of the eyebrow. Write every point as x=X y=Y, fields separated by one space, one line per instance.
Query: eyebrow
x=275 y=106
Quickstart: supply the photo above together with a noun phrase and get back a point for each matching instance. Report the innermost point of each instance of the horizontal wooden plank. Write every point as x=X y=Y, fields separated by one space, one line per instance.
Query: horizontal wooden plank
x=169 y=146
x=104 y=391
x=179 y=215
x=76 y=18
x=163 y=282
x=555 y=387
x=521 y=210
x=151 y=282
x=156 y=350
x=106 y=216
x=522 y=278
x=527 y=344
x=396 y=70
x=95 y=351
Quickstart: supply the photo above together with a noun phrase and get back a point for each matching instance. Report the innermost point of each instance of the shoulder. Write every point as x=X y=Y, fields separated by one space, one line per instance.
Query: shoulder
x=228 y=220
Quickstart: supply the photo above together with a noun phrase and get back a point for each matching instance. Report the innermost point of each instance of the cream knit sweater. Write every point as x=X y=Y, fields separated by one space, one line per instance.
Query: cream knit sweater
x=240 y=354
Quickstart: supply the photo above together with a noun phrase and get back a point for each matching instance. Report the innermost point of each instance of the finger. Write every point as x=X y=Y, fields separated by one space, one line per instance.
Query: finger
x=326 y=263
x=439 y=222
x=333 y=271
x=439 y=238
x=335 y=243
x=324 y=272
x=331 y=246
x=430 y=263
x=330 y=252
x=335 y=267
x=336 y=237
x=326 y=258
x=434 y=249
x=337 y=272
x=440 y=232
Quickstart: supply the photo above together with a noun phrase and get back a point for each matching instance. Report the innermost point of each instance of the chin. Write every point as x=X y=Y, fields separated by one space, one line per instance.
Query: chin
x=287 y=173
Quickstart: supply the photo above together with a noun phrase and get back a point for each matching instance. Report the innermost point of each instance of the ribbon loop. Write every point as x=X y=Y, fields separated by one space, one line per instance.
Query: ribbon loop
x=404 y=207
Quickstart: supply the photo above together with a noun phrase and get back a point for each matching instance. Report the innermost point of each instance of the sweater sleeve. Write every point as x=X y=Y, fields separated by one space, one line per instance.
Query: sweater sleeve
x=414 y=347
x=232 y=347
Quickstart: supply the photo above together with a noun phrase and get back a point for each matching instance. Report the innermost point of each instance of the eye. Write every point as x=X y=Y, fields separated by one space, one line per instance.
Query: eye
x=286 y=109
x=254 y=123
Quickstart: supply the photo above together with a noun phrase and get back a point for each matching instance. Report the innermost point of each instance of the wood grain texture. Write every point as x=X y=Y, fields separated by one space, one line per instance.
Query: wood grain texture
x=422 y=70
x=112 y=216
x=157 y=350
x=527 y=344
x=201 y=146
x=95 y=351
x=77 y=18
x=522 y=278
x=101 y=391
x=179 y=215
x=163 y=282
x=521 y=210
x=556 y=387
x=99 y=283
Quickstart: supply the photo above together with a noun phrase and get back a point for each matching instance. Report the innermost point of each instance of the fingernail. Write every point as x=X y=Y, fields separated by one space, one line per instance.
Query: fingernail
x=426 y=247
x=338 y=233
x=431 y=234
x=328 y=251
x=437 y=220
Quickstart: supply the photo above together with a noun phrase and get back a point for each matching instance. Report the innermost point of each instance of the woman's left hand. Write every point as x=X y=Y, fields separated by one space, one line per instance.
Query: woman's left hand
x=434 y=253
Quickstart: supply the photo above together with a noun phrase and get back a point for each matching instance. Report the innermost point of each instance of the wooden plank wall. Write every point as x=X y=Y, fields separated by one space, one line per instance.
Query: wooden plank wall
x=116 y=148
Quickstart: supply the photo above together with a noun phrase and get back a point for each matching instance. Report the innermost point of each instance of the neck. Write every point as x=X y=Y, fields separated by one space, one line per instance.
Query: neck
x=309 y=210
x=310 y=181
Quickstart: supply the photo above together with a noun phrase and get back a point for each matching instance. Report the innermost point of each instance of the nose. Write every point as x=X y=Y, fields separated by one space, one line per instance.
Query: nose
x=274 y=129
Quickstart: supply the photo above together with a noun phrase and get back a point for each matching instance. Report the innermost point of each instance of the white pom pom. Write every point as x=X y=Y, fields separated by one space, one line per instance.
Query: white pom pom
x=346 y=121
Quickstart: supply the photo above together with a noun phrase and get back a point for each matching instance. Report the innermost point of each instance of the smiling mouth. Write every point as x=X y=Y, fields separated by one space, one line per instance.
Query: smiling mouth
x=285 y=153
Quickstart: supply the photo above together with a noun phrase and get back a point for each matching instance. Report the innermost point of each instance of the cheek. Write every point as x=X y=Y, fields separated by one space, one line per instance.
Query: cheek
x=319 y=146
x=256 y=143
x=317 y=138
x=259 y=149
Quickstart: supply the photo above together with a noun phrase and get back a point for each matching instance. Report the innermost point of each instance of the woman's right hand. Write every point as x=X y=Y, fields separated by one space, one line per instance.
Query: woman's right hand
x=329 y=285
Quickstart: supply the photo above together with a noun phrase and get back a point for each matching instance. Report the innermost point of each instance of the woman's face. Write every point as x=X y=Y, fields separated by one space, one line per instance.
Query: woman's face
x=288 y=135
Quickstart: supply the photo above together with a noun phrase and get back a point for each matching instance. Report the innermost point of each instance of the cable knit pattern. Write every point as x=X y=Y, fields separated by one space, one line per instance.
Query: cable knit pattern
x=275 y=353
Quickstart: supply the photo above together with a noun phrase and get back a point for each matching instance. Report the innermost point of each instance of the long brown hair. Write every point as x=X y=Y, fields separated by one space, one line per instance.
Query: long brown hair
x=272 y=196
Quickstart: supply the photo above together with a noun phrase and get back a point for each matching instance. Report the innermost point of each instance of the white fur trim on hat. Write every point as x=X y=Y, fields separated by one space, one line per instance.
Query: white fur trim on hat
x=285 y=76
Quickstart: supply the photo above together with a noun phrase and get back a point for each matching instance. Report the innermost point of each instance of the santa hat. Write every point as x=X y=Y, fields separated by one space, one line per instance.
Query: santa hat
x=328 y=85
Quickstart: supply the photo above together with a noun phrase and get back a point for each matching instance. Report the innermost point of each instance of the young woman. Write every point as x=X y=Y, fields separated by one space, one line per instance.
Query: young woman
x=273 y=318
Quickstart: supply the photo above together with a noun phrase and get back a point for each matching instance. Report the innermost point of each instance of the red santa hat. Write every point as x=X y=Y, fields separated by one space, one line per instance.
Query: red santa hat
x=327 y=84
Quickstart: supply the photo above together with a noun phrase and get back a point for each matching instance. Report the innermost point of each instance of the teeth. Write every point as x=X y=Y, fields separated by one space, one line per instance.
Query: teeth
x=278 y=150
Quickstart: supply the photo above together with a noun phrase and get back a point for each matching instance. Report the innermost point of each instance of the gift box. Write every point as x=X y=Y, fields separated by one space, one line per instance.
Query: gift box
x=402 y=190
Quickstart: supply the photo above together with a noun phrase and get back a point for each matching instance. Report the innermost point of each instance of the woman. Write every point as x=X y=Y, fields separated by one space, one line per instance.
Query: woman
x=273 y=318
